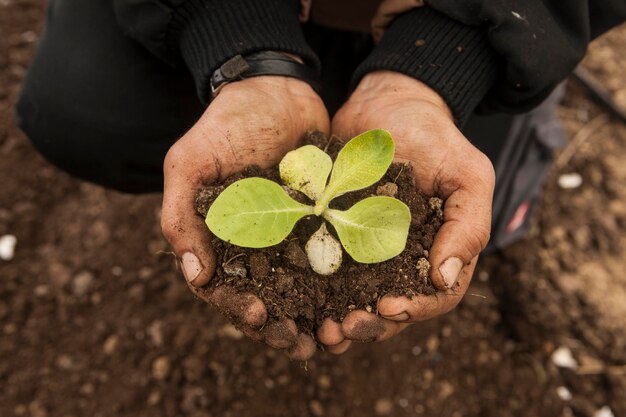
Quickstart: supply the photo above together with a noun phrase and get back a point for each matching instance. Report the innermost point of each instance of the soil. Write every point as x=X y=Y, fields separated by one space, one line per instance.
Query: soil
x=95 y=320
x=282 y=277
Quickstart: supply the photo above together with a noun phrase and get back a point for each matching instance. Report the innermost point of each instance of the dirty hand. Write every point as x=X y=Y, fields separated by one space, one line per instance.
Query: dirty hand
x=445 y=164
x=255 y=121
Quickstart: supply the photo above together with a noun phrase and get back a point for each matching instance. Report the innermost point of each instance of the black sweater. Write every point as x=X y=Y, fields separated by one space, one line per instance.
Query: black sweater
x=501 y=55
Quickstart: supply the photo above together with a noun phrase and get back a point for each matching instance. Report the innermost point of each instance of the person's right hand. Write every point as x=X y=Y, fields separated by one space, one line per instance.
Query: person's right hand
x=255 y=121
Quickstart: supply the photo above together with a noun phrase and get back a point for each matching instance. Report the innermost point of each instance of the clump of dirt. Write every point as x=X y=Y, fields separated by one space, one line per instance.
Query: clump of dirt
x=282 y=277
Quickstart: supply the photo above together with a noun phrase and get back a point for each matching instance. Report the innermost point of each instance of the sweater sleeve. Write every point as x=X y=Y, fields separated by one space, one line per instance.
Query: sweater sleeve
x=454 y=59
x=509 y=54
x=206 y=33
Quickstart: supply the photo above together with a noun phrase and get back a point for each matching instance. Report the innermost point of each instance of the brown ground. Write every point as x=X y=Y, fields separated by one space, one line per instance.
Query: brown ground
x=95 y=321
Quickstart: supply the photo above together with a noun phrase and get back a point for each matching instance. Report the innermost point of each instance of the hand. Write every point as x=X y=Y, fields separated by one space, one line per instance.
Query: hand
x=445 y=164
x=253 y=121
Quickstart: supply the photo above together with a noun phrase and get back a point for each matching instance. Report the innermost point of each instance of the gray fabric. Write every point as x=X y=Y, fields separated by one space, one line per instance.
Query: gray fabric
x=522 y=167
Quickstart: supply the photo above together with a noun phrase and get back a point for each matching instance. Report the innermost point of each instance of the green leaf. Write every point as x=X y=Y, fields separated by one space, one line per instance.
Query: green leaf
x=373 y=230
x=254 y=213
x=363 y=161
x=306 y=169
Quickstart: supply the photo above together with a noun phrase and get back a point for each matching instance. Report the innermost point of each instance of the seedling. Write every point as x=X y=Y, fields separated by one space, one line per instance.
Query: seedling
x=257 y=213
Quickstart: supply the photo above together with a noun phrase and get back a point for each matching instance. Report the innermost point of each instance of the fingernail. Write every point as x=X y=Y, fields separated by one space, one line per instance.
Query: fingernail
x=450 y=270
x=399 y=317
x=191 y=266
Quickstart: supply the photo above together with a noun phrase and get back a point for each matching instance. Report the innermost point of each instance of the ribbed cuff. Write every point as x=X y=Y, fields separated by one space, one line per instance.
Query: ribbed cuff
x=210 y=32
x=453 y=59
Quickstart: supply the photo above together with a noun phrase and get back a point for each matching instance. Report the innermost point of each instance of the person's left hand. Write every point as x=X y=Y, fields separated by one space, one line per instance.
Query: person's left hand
x=445 y=164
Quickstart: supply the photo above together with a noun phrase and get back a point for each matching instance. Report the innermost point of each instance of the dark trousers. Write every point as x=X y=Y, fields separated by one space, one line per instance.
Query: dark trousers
x=101 y=107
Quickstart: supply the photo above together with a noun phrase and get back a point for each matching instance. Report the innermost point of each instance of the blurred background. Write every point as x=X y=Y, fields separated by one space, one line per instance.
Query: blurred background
x=95 y=320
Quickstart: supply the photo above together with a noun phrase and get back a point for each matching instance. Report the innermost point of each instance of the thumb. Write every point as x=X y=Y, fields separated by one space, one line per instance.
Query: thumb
x=468 y=192
x=180 y=224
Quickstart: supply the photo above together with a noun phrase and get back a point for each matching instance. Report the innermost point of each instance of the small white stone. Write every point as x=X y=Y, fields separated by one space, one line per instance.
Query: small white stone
x=230 y=331
x=604 y=412
x=570 y=181
x=563 y=393
x=563 y=358
x=7 y=247
x=324 y=252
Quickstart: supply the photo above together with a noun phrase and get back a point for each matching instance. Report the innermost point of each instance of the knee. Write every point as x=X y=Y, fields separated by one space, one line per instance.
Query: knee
x=122 y=161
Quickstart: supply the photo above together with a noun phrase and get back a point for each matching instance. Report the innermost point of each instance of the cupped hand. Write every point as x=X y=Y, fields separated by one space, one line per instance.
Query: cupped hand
x=444 y=164
x=255 y=121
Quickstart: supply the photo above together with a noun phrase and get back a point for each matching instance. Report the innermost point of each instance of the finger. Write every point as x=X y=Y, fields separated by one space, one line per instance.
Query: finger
x=467 y=217
x=304 y=349
x=281 y=334
x=340 y=348
x=242 y=309
x=425 y=307
x=330 y=333
x=361 y=326
x=183 y=229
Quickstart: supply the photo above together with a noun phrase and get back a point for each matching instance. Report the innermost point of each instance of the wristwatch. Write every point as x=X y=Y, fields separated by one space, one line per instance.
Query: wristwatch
x=262 y=63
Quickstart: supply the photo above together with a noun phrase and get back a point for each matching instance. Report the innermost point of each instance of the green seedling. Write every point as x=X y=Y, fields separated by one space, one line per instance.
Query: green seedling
x=257 y=213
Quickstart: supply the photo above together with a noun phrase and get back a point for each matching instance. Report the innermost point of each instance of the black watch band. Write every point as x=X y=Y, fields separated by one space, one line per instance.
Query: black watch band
x=262 y=63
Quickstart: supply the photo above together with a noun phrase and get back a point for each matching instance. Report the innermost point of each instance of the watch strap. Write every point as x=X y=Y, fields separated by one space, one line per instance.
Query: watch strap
x=262 y=63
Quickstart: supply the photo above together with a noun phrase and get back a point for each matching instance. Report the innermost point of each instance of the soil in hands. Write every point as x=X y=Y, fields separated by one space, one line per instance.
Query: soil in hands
x=282 y=278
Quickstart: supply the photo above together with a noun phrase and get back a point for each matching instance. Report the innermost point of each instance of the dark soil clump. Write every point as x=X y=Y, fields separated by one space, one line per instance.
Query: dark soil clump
x=282 y=278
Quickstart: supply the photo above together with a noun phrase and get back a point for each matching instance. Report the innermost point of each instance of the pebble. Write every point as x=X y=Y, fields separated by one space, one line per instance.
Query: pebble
x=383 y=407
x=563 y=358
x=324 y=381
x=41 y=290
x=7 y=247
x=82 y=283
x=236 y=269
x=65 y=362
x=604 y=412
x=155 y=332
x=570 y=181
x=161 y=368
x=563 y=393
x=110 y=344
x=230 y=331
x=316 y=407
x=388 y=189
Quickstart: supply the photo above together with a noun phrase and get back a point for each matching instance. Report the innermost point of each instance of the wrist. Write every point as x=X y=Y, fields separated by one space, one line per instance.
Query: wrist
x=395 y=85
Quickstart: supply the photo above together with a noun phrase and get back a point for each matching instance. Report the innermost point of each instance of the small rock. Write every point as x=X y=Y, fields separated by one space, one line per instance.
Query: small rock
x=295 y=255
x=435 y=203
x=154 y=398
x=155 y=332
x=82 y=283
x=110 y=344
x=161 y=368
x=87 y=389
x=324 y=381
x=604 y=412
x=563 y=358
x=236 y=269
x=324 y=252
x=230 y=331
x=65 y=362
x=563 y=393
x=368 y=308
x=570 y=181
x=7 y=247
x=388 y=189
x=145 y=273
x=423 y=269
x=41 y=290
x=432 y=344
x=383 y=407
x=316 y=407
